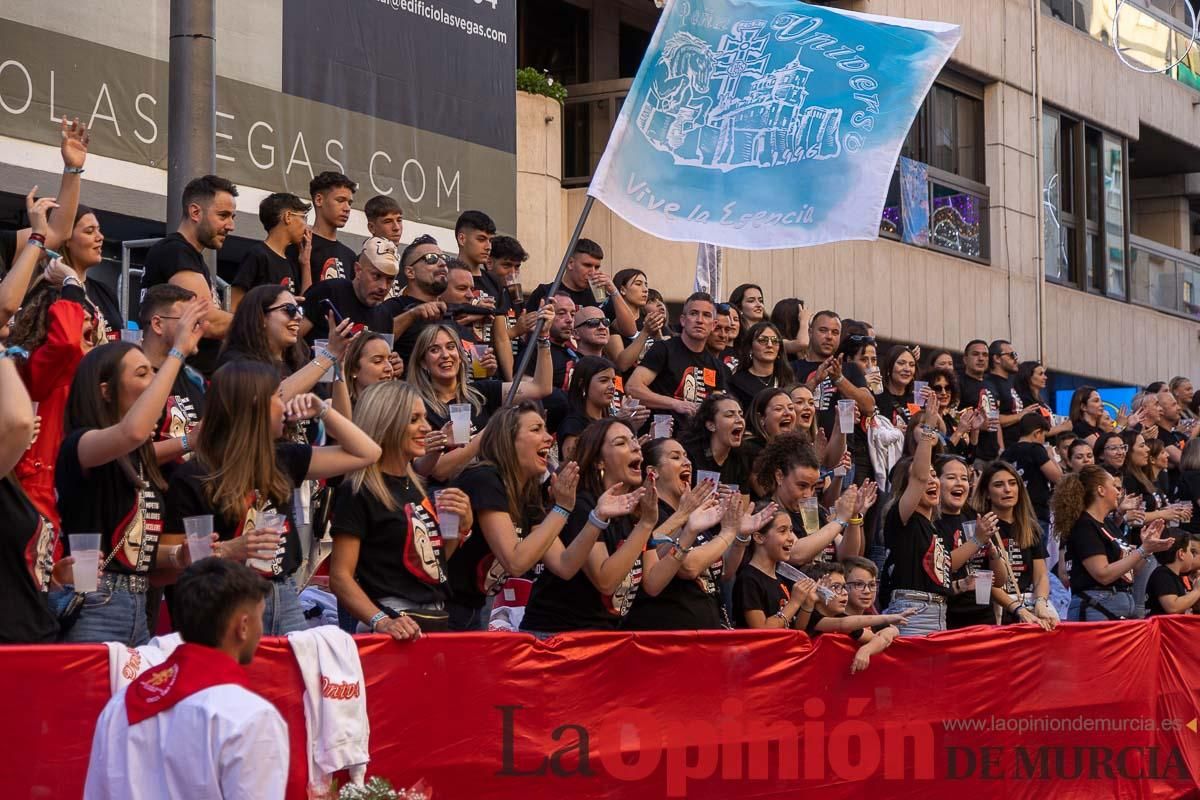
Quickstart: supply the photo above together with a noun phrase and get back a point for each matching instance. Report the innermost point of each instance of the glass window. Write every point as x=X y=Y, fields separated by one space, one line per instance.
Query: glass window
x=632 y=44
x=553 y=35
x=956 y=221
x=1114 y=216
x=955 y=123
x=1093 y=176
x=1052 y=192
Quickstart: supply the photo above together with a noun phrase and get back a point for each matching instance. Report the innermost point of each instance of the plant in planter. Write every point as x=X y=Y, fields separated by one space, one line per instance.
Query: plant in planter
x=534 y=82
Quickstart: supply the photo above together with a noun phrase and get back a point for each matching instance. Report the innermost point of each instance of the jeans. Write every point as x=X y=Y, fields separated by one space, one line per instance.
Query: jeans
x=283 y=614
x=1119 y=604
x=1140 y=578
x=465 y=619
x=111 y=615
x=930 y=619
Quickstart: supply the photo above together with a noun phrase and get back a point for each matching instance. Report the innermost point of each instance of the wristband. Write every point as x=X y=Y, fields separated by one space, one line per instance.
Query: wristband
x=543 y=341
x=375 y=620
x=856 y=521
x=980 y=543
x=41 y=243
x=1141 y=551
x=783 y=617
x=324 y=353
x=742 y=539
x=73 y=170
x=1014 y=606
x=595 y=520
x=564 y=512
x=841 y=522
x=807 y=610
x=177 y=353
x=325 y=406
x=187 y=446
x=14 y=352
x=38 y=237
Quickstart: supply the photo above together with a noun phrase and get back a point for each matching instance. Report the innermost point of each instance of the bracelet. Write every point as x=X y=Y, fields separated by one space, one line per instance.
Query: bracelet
x=73 y=170
x=543 y=342
x=41 y=243
x=856 y=521
x=14 y=352
x=38 y=237
x=71 y=280
x=783 y=617
x=742 y=539
x=565 y=512
x=324 y=353
x=177 y=353
x=325 y=406
x=841 y=522
x=980 y=543
x=1014 y=606
x=1141 y=551
x=595 y=520
x=187 y=446
x=375 y=620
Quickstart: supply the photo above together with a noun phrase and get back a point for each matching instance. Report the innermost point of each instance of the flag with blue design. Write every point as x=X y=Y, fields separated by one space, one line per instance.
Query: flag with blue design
x=767 y=123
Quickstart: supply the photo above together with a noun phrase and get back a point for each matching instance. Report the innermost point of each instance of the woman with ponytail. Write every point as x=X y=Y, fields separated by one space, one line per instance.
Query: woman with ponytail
x=1101 y=568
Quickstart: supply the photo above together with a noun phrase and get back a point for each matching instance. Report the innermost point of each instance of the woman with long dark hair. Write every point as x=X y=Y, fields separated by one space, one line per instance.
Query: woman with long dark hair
x=591 y=396
x=610 y=476
x=899 y=370
x=790 y=318
x=1023 y=591
x=750 y=303
x=961 y=428
x=713 y=440
x=954 y=521
x=1087 y=414
x=389 y=547
x=242 y=471
x=1101 y=568
x=762 y=364
x=108 y=480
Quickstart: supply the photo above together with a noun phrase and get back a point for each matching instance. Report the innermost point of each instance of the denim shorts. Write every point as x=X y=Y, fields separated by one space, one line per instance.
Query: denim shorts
x=930 y=619
x=111 y=615
x=1119 y=604
x=283 y=614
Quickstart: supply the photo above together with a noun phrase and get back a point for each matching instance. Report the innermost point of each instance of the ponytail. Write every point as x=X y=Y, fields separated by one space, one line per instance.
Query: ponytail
x=1074 y=493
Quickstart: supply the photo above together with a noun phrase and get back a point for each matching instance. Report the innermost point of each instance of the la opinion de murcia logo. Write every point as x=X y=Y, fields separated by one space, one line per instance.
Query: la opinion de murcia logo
x=741 y=103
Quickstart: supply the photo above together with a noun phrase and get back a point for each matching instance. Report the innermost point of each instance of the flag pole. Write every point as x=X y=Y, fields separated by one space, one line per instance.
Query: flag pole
x=527 y=354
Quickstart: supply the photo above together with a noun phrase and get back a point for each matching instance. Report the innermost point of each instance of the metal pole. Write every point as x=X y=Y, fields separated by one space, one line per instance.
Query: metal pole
x=191 y=100
x=527 y=354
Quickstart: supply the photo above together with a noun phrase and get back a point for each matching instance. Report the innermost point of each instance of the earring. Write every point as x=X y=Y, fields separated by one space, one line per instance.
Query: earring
x=600 y=469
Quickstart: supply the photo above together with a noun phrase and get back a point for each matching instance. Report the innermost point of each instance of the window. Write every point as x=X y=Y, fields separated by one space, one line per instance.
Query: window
x=948 y=133
x=632 y=43
x=553 y=35
x=1085 y=246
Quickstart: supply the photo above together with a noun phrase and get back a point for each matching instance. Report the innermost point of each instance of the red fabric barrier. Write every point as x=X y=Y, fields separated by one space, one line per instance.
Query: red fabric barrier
x=1088 y=711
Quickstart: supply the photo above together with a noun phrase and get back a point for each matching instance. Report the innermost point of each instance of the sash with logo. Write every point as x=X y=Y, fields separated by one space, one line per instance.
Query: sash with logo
x=191 y=668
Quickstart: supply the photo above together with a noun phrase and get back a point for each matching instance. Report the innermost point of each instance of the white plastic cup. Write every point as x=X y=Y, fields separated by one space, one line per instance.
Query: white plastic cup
x=810 y=515
x=983 y=587
x=708 y=475
x=460 y=418
x=662 y=426
x=35 y=407
x=85 y=549
x=302 y=514
x=267 y=522
x=323 y=344
x=390 y=339
x=599 y=293
x=919 y=388
x=131 y=336
x=199 y=536
x=968 y=529
x=630 y=404
x=448 y=521
x=846 y=415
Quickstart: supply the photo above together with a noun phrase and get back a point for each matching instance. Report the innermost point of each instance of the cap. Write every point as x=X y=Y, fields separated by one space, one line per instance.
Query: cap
x=381 y=254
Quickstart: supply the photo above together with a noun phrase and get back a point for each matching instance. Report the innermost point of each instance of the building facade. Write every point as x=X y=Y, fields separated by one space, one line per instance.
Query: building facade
x=1064 y=185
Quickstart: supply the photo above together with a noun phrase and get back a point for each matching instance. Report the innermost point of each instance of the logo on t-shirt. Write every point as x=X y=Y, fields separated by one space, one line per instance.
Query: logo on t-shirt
x=696 y=384
x=332 y=268
x=140 y=532
x=937 y=562
x=178 y=418
x=274 y=567
x=39 y=556
x=422 y=555
x=621 y=600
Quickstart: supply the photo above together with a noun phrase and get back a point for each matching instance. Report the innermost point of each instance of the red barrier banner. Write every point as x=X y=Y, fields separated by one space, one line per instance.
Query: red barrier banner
x=1088 y=711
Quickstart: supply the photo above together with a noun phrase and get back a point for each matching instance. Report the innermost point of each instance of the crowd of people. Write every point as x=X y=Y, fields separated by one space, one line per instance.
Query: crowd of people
x=743 y=467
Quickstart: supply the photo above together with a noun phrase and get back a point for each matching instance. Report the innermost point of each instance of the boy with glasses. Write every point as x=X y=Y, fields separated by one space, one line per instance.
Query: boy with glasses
x=830 y=616
x=862 y=584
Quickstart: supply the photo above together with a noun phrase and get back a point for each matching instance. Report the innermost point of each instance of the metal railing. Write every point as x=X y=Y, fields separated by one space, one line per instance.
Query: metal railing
x=1164 y=278
x=958 y=215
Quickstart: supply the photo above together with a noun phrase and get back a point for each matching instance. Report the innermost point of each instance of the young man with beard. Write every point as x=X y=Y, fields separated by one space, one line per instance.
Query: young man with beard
x=562 y=344
x=284 y=217
x=974 y=392
x=1171 y=431
x=332 y=196
x=363 y=299
x=677 y=374
x=829 y=377
x=424 y=266
x=209 y=210
x=1003 y=363
x=192 y=726
x=583 y=272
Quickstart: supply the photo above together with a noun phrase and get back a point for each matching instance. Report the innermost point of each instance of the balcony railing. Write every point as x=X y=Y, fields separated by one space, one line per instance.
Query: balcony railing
x=1164 y=278
x=958 y=215
x=1150 y=35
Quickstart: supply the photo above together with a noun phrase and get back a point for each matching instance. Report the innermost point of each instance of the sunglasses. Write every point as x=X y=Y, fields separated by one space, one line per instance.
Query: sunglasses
x=429 y=259
x=594 y=323
x=722 y=308
x=861 y=338
x=939 y=388
x=767 y=340
x=293 y=310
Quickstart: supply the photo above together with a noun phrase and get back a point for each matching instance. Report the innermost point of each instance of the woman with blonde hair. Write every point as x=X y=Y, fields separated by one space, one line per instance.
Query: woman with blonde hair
x=242 y=471
x=389 y=548
x=438 y=371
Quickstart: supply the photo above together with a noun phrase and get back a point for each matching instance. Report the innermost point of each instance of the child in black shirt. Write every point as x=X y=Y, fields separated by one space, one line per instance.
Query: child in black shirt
x=1168 y=591
x=761 y=598
x=830 y=617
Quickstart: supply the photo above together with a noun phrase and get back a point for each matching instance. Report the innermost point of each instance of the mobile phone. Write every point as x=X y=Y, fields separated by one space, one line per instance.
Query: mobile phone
x=330 y=308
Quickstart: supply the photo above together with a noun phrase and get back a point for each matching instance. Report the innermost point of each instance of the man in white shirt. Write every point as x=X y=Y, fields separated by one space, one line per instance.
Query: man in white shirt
x=191 y=727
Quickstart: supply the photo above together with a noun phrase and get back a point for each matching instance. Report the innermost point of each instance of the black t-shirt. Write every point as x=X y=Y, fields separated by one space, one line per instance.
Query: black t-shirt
x=971 y=395
x=473 y=570
x=105 y=500
x=736 y=468
x=1083 y=429
x=1089 y=538
x=186 y=497
x=183 y=410
x=407 y=341
x=744 y=385
x=493 y=396
x=754 y=590
x=961 y=609
x=329 y=259
x=816 y=616
x=556 y=605
x=340 y=291
x=27 y=559
x=572 y=425
x=683 y=374
x=827 y=402
x=894 y=409
x=174 y=254
x=1028 y=458
x=683 y=604
x=262 y=266
x=563 y=359
x=105 y=300
x=487 y=286
x=1021 y=558
x=400 y=554
x=917 y=556
x=581 y=297
x=1163 y=582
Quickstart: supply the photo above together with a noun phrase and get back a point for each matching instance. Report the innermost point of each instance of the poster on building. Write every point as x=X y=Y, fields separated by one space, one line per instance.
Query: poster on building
x=415 y=99
x=767 y=123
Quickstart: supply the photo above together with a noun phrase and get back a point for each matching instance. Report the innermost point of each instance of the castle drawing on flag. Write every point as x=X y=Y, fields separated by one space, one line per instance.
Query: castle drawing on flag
x=722 y=109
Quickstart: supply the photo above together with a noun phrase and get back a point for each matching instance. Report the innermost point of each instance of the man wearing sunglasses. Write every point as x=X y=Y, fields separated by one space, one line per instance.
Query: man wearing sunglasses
x=591 y=331
x=1003 y=363
x=426 y=276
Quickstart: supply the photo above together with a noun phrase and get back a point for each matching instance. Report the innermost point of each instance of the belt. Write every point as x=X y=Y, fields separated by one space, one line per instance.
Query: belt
x=135 y=584
x=1114 y=589
x=912 y=594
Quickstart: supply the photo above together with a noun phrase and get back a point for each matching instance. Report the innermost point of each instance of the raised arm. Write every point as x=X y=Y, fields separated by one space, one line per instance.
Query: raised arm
x=354 y=449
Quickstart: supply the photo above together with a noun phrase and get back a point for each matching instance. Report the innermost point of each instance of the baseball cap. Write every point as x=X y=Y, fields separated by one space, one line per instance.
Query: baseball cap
x=381 y=254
